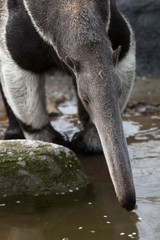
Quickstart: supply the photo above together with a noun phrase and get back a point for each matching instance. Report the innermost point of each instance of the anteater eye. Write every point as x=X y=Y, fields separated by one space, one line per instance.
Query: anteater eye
x=85 y=99
x=120 y=92
x=86 y=102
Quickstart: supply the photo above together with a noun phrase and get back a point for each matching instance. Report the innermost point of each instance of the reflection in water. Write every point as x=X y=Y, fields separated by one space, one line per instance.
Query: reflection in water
x=146 y=171
x=94 y=213
x=25 y=234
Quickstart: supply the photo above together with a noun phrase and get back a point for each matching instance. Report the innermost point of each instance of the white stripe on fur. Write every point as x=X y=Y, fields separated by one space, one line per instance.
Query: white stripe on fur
x=46 y=38
x=24 y=92
x=109 y=16
x=126 y=70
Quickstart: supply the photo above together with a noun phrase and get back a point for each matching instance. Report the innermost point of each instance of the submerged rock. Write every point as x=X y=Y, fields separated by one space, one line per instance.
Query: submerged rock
x=35 y=167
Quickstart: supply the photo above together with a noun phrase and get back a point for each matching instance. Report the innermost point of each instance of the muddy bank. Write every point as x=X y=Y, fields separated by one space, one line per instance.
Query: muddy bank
x=61 y=100
x=145 y=98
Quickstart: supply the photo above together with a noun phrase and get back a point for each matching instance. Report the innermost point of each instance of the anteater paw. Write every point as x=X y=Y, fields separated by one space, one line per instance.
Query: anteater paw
x=87 y=141
x=13 y=133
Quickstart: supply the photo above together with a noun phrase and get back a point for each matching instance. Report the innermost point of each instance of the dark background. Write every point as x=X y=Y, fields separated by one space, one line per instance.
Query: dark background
x=144 y=16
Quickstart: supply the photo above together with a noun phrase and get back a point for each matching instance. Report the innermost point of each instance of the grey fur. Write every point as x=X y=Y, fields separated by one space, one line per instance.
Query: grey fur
x=78 y=30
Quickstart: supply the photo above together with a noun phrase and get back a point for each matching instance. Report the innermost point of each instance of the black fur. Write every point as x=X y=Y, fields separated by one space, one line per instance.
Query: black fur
x=26 y=47
x=119 y=35
x=29 y=128
x=32 y=53
x=14 y=130
x=53 y=135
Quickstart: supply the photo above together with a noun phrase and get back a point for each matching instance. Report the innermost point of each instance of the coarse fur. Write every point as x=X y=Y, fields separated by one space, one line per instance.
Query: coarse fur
x=19 y=59
x=82 y=38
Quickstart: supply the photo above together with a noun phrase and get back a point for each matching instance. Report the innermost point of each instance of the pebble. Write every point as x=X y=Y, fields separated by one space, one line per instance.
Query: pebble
x=10 y=153
x=31 y=154
x=92 y=231
x=80 y=228
x=70 y=190
x=2 y=205
x=129 y=235
x=122 y=234
x=108 y=222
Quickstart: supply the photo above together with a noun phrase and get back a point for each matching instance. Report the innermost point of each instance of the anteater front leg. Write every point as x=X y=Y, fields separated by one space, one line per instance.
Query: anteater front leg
x=24 y=92
x=86 y=141
x=14 y=130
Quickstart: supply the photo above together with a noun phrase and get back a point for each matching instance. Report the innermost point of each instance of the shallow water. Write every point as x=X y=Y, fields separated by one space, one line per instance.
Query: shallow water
x=94 y=212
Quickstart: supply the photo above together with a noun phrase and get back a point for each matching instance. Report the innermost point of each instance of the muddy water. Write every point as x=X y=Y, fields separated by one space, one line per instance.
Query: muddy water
x=94 y=212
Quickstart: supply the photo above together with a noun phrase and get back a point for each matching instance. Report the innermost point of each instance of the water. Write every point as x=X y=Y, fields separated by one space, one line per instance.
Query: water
x=94 y=213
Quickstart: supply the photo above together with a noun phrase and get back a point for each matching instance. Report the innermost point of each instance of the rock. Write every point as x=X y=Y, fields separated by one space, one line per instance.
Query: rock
x=35 y=167
x=144 y=16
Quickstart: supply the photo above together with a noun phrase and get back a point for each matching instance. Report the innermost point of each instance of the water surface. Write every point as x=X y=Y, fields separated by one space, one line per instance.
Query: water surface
x=93 y=213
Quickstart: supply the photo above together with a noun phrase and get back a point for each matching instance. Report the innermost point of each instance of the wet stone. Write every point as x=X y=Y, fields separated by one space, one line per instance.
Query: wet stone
x=35 y=167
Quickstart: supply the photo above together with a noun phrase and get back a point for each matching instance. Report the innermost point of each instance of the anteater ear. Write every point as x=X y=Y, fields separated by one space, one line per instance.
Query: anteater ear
x=70 y=62
x=116 y=54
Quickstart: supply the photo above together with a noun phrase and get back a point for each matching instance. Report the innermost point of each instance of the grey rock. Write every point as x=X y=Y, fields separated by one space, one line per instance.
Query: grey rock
x=35 y=167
